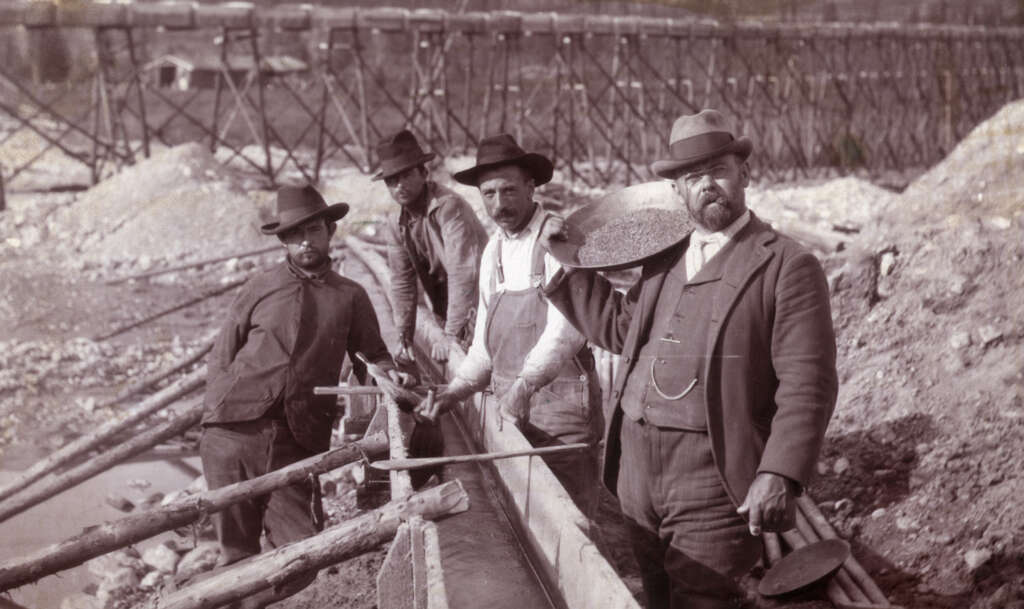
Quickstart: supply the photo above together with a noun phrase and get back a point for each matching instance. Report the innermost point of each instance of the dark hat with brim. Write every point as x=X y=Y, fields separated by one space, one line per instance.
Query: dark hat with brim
x=499 y=150
x=399 y=153
x=697 y=138
x=299 y=204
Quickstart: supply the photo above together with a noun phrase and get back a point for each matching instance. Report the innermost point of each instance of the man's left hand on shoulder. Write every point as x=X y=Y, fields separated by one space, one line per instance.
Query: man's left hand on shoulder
x=770 y=504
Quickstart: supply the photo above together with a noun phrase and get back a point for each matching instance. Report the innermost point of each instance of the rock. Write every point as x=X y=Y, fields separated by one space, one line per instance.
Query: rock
x=119 y=503
x=988 y=334
x=162 y=558
x=80 y=600
x=153 y=580
x=231 y=265
x=844 y=504
x=197 y=486
x=997 y=222
x=822 y=468
x=959 y=340
x=904 y=523
x=108 y=563
x=958 y=284
x=139 y=484
x=841 y=465
x=202 y=558
x=886 y=263
x=976 y=558
x=875 y=515
x=124 y=577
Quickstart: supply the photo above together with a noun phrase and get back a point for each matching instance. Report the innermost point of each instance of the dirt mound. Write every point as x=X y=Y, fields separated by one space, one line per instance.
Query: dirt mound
x=179 y=203
x=926 y=443
x=980 y=176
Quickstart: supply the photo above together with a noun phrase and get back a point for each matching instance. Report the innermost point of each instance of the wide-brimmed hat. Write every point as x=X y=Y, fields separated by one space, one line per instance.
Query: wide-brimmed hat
x=398 y=153
x=698 y=137
x=498 y=150
x=298 y=204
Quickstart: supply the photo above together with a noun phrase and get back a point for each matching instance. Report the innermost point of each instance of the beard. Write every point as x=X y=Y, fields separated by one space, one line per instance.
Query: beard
x=308 y=259
x=714 y=212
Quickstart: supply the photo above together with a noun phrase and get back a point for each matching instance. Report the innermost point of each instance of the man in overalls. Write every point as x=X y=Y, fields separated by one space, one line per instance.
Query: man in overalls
x=538 y=365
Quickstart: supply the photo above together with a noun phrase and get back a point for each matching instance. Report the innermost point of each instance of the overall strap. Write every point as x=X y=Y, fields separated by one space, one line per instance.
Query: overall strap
x=537 y=274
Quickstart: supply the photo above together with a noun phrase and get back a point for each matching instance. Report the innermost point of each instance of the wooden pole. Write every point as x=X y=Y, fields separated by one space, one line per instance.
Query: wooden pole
x=416 y=463
x=147 y=407
x=835 y=592
x=109 y=536
x=138 y=387
x=181 y=267
x=336 y=544
x=842 y=577
x=821 y=526
x=205 y=296
x=102 y=462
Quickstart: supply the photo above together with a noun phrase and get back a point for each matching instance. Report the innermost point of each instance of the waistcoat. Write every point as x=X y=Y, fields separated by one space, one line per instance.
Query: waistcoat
x=667 y=385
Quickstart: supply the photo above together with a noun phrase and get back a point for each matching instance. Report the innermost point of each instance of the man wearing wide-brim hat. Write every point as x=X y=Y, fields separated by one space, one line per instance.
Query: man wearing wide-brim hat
x=434 y=239
x=288 y=330
x=727 y=376
x=538 y=367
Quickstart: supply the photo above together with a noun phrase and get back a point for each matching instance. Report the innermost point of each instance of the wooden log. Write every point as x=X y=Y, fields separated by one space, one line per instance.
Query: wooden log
x=772 y=547
x=143 y=441
x=833 y=590
x=843 y=578
x=182 y=267
x=821 y=526
x=83 y=445
x=109 y=536
x=188 y=303
x=136 y=388
x=338 y=543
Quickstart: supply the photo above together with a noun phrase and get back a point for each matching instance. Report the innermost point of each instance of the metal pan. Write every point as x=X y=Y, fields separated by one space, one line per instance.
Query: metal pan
x=620 y=206
x=804 y=566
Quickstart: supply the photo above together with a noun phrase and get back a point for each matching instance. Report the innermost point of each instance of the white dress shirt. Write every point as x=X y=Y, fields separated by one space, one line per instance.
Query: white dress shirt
x=559 y=341
x=704 y=245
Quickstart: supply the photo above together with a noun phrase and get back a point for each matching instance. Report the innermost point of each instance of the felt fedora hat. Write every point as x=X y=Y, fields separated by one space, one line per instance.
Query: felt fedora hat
x=696 y=138
x=398 y=153
x=298 y=204
x=498 y=150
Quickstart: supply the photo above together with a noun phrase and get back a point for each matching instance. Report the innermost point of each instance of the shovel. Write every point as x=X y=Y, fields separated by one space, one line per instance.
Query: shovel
x=400 y=464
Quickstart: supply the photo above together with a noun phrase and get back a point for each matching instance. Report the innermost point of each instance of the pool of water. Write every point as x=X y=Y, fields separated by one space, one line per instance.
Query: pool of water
x=67 y=513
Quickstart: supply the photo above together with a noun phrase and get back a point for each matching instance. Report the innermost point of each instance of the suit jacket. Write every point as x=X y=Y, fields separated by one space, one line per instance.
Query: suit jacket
x=447 y=267
x=771 y=366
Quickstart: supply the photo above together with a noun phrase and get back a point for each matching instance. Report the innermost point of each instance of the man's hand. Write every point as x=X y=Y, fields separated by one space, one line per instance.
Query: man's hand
x=405 y=356
x=554 y=229
x=429 y=411
x=770 y=504
x=402 y=378
x=514 y=406
x=439 y=350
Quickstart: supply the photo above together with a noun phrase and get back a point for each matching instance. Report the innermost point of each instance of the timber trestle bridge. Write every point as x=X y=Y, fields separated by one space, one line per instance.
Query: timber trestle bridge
x=290 y=89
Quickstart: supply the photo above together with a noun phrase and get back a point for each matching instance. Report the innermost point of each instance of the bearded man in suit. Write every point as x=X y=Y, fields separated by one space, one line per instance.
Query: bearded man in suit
x=727 y=377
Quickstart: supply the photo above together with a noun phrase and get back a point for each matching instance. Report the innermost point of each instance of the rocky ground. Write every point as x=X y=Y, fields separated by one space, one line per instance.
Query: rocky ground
x=920 y=471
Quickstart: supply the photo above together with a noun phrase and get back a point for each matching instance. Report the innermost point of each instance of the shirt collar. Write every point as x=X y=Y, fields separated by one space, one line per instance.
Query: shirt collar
x=532 y=226
x=723 y=236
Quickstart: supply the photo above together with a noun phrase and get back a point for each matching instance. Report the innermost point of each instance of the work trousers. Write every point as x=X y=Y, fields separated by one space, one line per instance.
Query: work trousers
x=235 y=452
x=689 y=542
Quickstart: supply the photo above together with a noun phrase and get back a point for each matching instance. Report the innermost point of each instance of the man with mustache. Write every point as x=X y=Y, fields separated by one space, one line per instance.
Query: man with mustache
x=538 y=366
x=288 y=330
x=435 y=239
x=727 y=376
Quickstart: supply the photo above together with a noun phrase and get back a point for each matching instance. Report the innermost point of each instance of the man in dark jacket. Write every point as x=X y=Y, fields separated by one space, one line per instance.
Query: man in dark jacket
x=727 y=377
x=436 y=239
x=287 y=331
